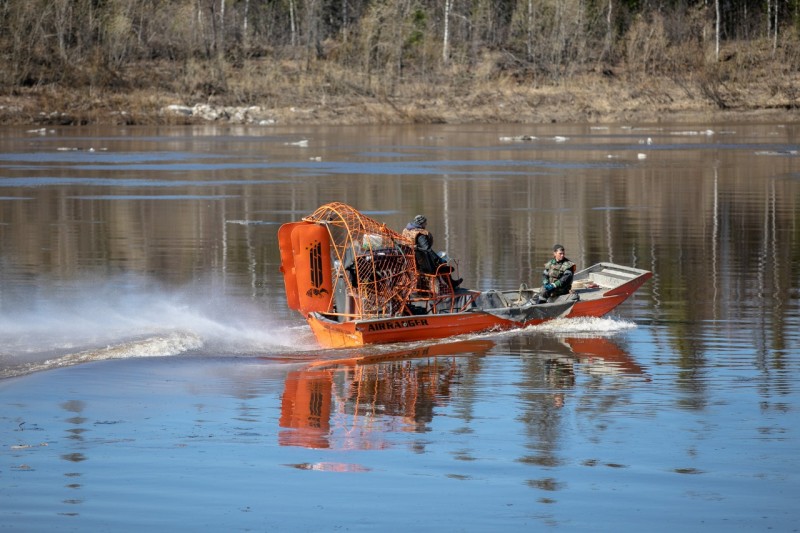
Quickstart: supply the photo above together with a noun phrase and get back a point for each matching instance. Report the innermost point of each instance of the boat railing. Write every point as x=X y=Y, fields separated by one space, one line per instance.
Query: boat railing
x=611 y=278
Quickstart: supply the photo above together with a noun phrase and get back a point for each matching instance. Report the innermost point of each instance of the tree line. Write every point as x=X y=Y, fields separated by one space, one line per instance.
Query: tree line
x=77 y=41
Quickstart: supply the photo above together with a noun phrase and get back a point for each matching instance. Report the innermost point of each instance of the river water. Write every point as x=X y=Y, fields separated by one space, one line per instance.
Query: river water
x=151 y=375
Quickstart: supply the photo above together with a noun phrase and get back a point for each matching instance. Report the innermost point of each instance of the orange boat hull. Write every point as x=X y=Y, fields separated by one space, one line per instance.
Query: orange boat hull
x=406 y=329
x=596 y=308
x=355 y=333
x=610 y=300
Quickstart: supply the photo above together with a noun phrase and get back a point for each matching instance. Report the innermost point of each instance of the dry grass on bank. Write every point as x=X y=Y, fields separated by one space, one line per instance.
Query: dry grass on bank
x=743 y=83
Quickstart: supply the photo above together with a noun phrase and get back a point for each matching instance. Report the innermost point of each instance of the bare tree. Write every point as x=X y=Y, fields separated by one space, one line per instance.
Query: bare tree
x=312 y=30
x=775 y=29
x=716 y=49
x=448 y=8
x=390 y=42
x=529 y=31
x=245 y=17
x=62 y=22
x=293 y=23
x=221 y=45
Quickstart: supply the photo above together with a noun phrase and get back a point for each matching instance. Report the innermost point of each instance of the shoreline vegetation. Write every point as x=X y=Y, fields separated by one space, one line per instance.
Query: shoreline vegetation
x=353 y=62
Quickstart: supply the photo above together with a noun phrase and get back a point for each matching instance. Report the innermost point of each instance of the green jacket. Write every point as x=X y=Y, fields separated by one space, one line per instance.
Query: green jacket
x=559 y=273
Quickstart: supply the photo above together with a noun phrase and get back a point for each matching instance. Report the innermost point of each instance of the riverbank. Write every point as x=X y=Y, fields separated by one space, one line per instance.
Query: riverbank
x=327 y=98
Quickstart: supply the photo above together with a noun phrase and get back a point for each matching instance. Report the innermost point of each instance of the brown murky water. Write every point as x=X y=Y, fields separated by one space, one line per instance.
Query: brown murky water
x=155 y=378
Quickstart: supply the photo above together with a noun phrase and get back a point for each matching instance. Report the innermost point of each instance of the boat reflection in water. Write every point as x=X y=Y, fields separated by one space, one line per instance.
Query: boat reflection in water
x=600 y=355
x=359 y=402
x=597 y=356
x=370 y=396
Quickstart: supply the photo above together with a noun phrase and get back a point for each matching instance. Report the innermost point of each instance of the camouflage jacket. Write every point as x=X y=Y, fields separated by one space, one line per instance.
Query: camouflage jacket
x=559 y=273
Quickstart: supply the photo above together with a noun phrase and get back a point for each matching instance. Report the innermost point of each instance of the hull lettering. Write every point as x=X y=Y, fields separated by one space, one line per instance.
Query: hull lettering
x=400 y=324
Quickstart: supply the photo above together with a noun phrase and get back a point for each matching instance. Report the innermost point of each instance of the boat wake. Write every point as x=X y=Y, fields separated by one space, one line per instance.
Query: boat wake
x=588 y=326
x=156 y=346
x=54 y=327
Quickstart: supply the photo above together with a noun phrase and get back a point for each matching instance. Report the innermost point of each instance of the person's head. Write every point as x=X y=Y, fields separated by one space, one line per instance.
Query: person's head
x=420 y=221
x=558 y=251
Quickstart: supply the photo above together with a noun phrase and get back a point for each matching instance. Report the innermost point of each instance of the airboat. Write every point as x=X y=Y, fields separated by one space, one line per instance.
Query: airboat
x=358 y=282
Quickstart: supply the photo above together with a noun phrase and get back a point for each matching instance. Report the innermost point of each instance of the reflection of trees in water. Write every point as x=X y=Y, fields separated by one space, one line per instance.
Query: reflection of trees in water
x=543 y=382
x=549 y=383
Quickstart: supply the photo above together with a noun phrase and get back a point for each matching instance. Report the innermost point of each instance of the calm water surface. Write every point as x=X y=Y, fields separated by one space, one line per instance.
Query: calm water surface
x=151 y=375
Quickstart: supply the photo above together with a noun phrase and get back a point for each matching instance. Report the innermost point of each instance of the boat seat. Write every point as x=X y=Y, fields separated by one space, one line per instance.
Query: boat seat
x=492 y=299
x=569 y=297
x=431 y=284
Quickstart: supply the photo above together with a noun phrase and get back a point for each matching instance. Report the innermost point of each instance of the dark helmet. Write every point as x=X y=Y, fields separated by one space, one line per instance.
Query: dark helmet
x=558 y=247
x=420 y=220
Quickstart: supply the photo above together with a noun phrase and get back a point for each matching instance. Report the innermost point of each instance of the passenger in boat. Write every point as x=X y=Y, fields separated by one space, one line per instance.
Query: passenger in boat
x=428 y=261
x=557 y=275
